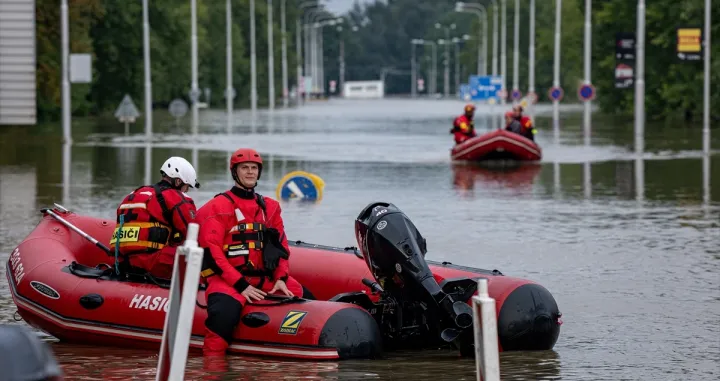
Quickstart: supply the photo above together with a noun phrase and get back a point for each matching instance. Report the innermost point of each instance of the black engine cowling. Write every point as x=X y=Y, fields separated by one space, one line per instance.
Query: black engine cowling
x=394 y=251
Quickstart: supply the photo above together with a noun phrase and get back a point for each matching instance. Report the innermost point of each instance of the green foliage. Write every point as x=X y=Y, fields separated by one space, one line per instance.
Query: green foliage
x=112 y=31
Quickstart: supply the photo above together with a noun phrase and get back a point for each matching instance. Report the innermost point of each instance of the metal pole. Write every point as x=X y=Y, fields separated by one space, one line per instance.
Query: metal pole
x=706 y=86
x=313 y=59
x=271 y=58
x=308 y=58
x=516 y=47
x=284 y=54
x=503 y=51
x=65 y=25
x=342 y=66
x=434 y=70
x=253 y=59
x=485 y=43
x=194 y=62
x=480 y=58
x=457 y=67
x=531 y=52
x=588 y=47
x=640 y=79
x=446 y=74
x=299 y=54
x=556 y=59
x=495 y=39
x=413 y=77
x=148 y=84
x=321 y=61
x=229 y=65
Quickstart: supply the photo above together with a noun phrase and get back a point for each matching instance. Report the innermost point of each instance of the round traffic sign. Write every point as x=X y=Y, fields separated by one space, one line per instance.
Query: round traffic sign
x=502 y=94
x=516 y=94
x=300 y=185
x=178 y=108
x=586 y=92
x=532 y=97
x=556 y=93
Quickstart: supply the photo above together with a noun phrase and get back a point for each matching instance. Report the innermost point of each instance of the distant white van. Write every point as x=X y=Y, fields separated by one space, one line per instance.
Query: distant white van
x=364 y=89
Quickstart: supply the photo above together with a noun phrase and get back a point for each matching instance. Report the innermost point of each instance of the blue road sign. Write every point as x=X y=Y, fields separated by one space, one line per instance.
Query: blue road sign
x=586 y=92
x=556 y=93
x=516 y=94
x=484 y=88
x=464 y=92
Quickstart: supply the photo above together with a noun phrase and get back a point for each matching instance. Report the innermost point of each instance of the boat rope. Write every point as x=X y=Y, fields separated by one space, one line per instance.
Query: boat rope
x=117 y=243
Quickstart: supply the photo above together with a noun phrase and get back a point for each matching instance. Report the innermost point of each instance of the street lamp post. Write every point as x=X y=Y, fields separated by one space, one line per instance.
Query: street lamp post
x=481 y=12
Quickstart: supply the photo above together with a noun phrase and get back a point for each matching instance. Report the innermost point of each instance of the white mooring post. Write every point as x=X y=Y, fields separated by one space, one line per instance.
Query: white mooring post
x=179 y=318
x=487 y=356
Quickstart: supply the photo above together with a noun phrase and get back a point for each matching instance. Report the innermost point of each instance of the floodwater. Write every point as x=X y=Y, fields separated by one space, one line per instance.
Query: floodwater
x=628 y=244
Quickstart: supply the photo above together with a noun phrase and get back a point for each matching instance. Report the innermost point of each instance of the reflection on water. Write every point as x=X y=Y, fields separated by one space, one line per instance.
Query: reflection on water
x=626 y=243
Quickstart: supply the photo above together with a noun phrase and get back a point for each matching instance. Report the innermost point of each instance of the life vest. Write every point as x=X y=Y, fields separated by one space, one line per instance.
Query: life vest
x=469 y=127
x=244 y=245
x=142 y=226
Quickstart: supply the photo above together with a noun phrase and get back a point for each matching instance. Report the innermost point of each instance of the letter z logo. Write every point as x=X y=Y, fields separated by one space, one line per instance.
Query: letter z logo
x=291 y=322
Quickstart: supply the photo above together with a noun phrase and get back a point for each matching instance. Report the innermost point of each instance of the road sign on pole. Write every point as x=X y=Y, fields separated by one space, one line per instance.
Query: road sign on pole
x=502 y=94
x=484 y=88
x=127 y=112
x=532 y=97
x=516 y=94
x=556 y=93
x=586 y=92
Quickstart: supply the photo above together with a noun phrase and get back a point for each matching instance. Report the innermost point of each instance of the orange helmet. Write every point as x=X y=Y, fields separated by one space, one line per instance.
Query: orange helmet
x=469 y=108
x=246 y=155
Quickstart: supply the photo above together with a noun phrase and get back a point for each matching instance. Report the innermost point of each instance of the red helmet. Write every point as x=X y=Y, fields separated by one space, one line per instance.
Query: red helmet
x=469 y=107
x=510 y=114
x=246 y=155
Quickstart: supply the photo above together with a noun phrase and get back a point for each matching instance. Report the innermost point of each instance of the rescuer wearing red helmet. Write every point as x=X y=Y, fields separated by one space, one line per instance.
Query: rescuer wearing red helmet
x=246 y=251
x=526 y=123
x=463 y=126
x=152 y=221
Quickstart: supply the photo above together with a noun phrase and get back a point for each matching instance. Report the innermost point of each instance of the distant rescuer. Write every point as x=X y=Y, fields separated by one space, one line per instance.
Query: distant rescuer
x=152 y=221
x=463 y=125
x=246 y=251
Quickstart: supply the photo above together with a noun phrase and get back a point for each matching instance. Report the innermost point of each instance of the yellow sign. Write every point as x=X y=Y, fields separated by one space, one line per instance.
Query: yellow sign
x=291 y=322
x=689 y=40
x=128 y=234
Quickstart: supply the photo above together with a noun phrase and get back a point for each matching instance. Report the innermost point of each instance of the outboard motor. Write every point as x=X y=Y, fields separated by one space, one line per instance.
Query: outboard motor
x=394 y=250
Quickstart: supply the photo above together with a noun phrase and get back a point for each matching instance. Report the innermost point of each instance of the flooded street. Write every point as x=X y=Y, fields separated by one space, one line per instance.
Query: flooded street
x=629 y=246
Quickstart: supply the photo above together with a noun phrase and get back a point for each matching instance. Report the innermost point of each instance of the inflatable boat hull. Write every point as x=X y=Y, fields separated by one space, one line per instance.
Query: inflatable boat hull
x=497 y=145
x=100 y=311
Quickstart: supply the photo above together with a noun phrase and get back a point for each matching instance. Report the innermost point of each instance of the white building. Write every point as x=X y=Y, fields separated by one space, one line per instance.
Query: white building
x=364 y=89
x=18 y=105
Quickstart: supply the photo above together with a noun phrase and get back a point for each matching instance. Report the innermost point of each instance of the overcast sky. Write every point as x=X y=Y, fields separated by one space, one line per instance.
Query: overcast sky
x=341 y=6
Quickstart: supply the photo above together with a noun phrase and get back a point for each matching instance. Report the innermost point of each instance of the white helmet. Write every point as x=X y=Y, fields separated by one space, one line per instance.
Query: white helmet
x=178 y=168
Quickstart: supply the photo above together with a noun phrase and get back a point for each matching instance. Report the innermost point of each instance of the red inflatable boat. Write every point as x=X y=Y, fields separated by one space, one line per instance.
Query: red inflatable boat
x=497 y=145
x=65 y=285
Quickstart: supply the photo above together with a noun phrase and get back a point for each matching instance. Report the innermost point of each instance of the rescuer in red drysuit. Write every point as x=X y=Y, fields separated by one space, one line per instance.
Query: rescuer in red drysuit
x=153 y=221
x=246 y=251
x=512 y=124
x=463 y=126
x=526 y=123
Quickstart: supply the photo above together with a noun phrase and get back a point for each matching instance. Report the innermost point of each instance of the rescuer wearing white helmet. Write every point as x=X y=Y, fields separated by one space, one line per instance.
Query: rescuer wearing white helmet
x=153 y=220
